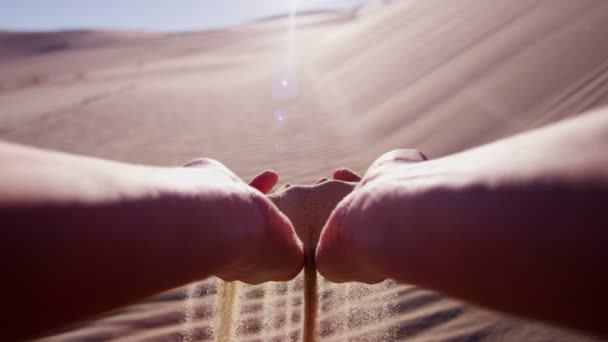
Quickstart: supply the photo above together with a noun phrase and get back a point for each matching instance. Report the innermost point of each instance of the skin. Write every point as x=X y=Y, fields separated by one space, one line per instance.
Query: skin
x=518 y=225
x=81 y=236
x=308 y=207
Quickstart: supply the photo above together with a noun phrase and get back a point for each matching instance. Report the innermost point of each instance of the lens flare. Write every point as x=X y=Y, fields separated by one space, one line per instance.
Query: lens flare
x=280 y=115
x=284 y=83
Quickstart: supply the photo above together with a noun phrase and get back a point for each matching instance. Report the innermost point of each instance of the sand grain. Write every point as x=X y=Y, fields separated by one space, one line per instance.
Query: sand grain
x=438 y=76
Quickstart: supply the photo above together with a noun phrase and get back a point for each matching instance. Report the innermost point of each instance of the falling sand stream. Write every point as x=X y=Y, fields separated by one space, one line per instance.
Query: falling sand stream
x=308 y=207
x=264 y=312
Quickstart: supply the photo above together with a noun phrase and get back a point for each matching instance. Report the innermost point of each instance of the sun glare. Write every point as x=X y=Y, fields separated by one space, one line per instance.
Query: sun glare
x=284 y=83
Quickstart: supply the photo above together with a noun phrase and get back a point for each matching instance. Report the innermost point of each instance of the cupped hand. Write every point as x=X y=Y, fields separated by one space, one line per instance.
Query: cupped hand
x=356 y=239
x=259 y=238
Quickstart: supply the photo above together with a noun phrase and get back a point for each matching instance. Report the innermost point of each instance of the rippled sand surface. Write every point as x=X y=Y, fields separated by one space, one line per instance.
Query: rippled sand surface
x=337 y=89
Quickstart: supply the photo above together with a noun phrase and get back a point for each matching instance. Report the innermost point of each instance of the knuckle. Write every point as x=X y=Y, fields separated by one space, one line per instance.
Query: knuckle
x=212 y=164
x=200 y=162
x=401 y=155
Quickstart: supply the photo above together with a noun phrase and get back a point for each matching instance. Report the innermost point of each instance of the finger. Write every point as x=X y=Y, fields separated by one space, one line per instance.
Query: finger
x=265 y=181
x=208 y=162
x=346 y=175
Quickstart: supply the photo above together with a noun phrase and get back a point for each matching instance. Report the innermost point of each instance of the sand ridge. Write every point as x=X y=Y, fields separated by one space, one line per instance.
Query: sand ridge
x=438 y=76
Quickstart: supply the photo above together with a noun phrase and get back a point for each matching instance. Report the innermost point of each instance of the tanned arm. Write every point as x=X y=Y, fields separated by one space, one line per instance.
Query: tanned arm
x=519 y=225
x=81 y=236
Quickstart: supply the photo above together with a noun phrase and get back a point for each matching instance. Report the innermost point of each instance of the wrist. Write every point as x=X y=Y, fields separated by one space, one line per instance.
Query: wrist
x=222 y=219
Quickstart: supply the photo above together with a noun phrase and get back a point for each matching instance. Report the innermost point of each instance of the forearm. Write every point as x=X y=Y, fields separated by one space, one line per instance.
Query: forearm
x=65 y=264
x=531 y=250
x=33 y=176
x=518 y=225
x=81 y=235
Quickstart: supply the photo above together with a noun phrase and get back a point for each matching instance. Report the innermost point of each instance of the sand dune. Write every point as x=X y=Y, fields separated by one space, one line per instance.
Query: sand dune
x=439 y=76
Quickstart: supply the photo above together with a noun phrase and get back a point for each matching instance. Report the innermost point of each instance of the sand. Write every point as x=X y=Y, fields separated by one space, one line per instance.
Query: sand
x=308 y=208
x=438 y=76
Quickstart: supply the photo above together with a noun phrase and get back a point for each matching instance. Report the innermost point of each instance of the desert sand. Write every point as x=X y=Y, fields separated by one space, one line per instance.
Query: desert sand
x=303 y=96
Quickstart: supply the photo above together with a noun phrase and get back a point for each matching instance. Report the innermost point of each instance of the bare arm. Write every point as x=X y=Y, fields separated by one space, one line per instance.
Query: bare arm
x=519 y=225
x=81 y=236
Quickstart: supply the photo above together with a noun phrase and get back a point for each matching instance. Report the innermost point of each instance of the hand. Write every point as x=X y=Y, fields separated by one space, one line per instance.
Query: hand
x=262 y=239
x=353 y=241
x=126 y=232
x=309 y=206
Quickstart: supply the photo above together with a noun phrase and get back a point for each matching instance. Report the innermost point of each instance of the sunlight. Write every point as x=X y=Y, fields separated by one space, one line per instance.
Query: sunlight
x=284 y=83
